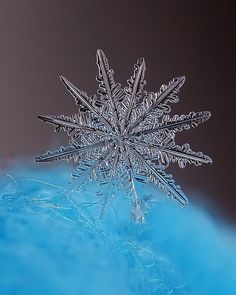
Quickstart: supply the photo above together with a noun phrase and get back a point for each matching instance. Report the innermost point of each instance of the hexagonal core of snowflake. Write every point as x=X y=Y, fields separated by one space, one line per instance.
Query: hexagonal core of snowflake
x=122 y=136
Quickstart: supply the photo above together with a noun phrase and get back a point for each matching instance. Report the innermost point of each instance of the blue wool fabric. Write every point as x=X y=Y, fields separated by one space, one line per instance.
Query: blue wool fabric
x=53 y=243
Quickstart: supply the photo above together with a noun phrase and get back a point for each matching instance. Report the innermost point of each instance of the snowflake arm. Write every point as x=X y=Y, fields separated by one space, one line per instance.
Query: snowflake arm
x=138 y=213
x=135 y=89
x=180 y=154
x=70 y=125
x=170 y=152
x=107 y=85
x=176 y=123
x=68 y=152
x=183 y=155
x=86 y=171
x=164 y=181
x=108 y=183
x=157 y=103
x=82 y=97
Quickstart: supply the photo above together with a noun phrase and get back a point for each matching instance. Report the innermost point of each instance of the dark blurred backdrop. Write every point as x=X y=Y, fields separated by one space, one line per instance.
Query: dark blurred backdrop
x=42 y=39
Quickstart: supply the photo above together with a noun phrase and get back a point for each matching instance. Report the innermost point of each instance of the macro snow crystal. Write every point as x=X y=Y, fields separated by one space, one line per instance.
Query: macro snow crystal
x=123 y=136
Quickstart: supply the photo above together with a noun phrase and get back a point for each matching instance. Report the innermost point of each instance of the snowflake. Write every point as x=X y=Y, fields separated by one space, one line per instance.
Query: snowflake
x=123 y=136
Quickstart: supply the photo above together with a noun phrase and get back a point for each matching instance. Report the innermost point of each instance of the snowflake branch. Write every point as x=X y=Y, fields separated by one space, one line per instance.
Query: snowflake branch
x=136 y=85
x=185 y=154
x=80 y=96
x=137 y=211
x=89 y=170
x=163 y=180
x=107 y=83
x=64 y=123
x=109 y=181
x=168 y=91
x=65 y=153
x=180 y=154
x=178 y=123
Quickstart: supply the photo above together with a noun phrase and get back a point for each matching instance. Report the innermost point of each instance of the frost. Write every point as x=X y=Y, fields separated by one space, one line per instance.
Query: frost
x=122 y=136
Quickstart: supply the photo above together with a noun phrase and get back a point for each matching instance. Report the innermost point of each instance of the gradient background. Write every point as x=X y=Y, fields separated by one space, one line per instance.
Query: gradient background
x=42 y=39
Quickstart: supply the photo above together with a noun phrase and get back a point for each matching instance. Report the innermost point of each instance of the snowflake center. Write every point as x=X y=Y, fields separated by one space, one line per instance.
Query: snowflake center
x=120 y=139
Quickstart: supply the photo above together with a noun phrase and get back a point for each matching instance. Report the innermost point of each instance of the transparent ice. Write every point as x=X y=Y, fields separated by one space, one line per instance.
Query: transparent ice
x=122 y=136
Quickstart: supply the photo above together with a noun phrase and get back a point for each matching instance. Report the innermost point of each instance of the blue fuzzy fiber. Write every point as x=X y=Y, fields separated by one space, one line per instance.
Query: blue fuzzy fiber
x=55 y=245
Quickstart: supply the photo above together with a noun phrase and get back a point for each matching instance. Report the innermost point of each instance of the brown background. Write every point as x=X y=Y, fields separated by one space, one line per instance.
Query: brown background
x=42 y=39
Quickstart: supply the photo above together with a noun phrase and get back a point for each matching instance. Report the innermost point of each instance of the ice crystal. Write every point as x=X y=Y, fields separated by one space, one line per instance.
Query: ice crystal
x=123 y=136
